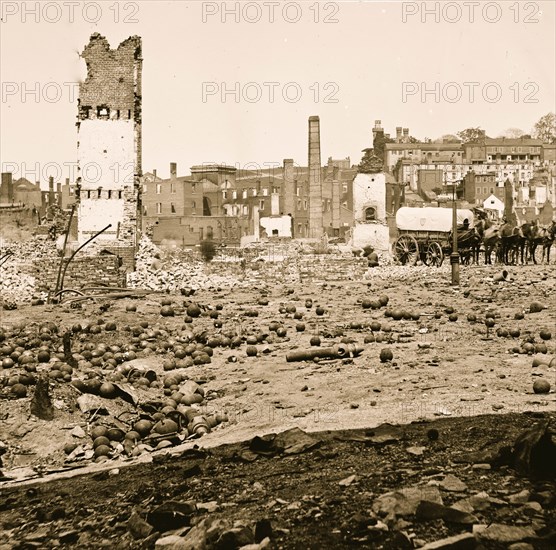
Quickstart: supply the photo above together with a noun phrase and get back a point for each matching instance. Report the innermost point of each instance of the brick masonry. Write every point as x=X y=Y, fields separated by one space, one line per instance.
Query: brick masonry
x=102 y=270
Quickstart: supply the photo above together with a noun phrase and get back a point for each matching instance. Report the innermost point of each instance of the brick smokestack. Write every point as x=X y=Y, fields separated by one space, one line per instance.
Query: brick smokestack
x=154 y=173
x=398 y=134
x=406 y=135
x=50 y=191
x=335 y=199
x=58 y=187
x=173 y=170
x=288 y=189
x=8 y=186
x=315 y=187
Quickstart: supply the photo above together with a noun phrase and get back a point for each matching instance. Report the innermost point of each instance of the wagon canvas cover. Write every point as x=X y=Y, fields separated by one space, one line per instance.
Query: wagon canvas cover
x=430 y=218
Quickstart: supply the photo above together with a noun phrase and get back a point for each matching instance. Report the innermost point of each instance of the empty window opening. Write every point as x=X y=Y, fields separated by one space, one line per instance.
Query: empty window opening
x=370 y=214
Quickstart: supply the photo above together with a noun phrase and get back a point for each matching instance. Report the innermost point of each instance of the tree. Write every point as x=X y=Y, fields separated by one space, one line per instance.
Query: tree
x=448 y=138
x=545 y=128
x=471 y=134
x=512 y=133
x=208 y=250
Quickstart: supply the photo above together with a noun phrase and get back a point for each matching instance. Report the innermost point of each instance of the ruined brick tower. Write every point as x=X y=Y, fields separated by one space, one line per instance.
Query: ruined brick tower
x=109 y=146
x=315 y=184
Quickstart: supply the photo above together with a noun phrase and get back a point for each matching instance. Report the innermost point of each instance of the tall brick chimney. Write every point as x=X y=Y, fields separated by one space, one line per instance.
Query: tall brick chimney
x=50 y=191
x=335 y=198
x=173 y=170
x=315 y=187
x=406 y=135
x=154 y=174
x=288 y=189
x=398 y=134
x=8 y=186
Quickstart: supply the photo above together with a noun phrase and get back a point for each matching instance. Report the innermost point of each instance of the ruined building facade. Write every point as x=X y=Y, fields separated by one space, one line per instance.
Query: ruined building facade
x=109 y=146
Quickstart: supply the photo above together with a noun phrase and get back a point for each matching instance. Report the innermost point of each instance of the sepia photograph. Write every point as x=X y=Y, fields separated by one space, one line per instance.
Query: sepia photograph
x=278 y=274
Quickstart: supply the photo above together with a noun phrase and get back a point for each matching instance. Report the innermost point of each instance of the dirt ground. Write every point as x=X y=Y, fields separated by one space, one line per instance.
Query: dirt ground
x=443 y=367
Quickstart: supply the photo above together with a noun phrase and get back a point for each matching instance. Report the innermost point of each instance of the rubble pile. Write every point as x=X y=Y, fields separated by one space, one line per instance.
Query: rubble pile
x=172 y=271
x=17 y=284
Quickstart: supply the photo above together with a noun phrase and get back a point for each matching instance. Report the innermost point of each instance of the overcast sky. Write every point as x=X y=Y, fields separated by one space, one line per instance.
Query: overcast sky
x=344 y=61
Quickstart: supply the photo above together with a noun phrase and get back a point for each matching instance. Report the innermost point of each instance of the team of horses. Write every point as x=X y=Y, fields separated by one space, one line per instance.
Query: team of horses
x=507 y=243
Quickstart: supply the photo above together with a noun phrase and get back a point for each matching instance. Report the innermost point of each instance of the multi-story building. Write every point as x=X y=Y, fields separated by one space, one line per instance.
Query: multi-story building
x=205 y=204
x=504 y=151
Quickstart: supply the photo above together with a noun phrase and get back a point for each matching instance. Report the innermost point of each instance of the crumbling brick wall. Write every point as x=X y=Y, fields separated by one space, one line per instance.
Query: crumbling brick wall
x=102 y=270
x=109 y=143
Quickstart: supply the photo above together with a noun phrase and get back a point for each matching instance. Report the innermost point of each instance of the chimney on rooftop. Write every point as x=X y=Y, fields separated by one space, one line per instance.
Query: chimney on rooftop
x=173 y=170
x=398 y=134
x=154 y=173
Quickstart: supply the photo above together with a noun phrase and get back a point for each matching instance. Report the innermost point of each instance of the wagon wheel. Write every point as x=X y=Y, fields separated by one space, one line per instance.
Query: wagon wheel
x=406 y=250
x=434 y=255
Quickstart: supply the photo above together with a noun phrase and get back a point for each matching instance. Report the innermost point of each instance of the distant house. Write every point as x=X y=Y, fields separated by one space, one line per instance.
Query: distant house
x=495 y=205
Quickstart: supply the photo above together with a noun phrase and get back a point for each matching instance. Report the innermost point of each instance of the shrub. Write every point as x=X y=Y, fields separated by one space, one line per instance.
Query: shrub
x=208 y=250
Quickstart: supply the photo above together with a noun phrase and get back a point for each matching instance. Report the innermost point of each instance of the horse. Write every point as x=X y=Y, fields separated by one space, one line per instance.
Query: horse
x=489 y=234
x=549 y=236
x=512 y=244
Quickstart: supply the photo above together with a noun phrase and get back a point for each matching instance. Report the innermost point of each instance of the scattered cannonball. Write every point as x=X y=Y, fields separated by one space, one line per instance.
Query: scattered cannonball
x=165 y=426
x=131 y=307
x=193 y=310
x=43 y=356
x=315 y=341
x=545 y=334
x=102 y=450
x=519 y=316
x=366 y=304
x=101 y=440
x=300 y=327
x=167 y=311
x=19 y=390
x=281 y=332
x=433 y=434
x=537 y=362
x=132 y=435
x=107 y=390
x=386 y=355
x=143 y=427
x=70 y=447
x=383 y=300
x=536 y=307
x=369 y=338
x=541 y=386
x=453 y=317
x=110 y=326
x=98 y=431
x=115 y=434
x=7 y=363
x=319 y=310
x=541 y=348
x=251 y=351
x=489 y=322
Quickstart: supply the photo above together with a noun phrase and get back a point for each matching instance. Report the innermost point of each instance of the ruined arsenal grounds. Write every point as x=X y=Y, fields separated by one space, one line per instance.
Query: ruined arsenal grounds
x=209 y=415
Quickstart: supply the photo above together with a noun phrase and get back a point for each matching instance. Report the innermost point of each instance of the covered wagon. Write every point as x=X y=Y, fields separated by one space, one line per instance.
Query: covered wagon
x=426 y=234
